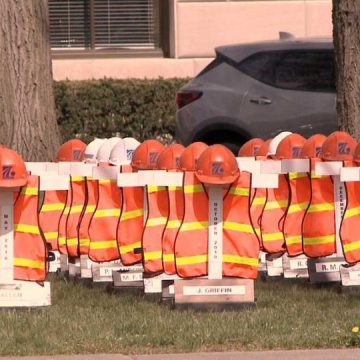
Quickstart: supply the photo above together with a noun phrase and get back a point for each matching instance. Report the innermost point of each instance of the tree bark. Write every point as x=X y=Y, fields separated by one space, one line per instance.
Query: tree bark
x=346 y=21
x=27 y=110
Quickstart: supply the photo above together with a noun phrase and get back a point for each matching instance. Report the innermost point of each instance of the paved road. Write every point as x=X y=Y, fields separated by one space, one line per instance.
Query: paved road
x=353 y=354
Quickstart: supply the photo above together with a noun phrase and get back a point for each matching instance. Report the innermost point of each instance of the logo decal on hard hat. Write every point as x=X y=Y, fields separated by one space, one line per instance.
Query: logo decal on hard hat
x=7 y=172
x=343 y=148
x=177 y=162
x=318 y=151
x=76 y=154
x=256 y=150
x=217 y=168
x=153 y=157
x=296 y=151
x=129 y=154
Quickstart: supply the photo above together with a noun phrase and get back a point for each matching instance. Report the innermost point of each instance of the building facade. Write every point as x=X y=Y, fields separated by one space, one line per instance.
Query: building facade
x=93 y=39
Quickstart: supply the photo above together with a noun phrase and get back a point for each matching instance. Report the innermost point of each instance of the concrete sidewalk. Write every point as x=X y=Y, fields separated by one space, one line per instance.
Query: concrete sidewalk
x=346 y=354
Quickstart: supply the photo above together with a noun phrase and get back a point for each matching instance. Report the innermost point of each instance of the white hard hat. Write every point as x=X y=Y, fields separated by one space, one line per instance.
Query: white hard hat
x=92 y=150
x=122 y=152
x=104 y=152
x=276 y=141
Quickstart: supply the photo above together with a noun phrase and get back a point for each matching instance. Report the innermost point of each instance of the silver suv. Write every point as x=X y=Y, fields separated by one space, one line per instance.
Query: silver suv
x=258 y=90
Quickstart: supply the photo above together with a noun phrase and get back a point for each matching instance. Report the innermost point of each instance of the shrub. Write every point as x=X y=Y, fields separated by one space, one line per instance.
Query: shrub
x=142 y=109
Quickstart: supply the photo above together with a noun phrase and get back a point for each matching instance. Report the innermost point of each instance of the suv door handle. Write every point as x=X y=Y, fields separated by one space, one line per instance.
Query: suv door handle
x=262 y=100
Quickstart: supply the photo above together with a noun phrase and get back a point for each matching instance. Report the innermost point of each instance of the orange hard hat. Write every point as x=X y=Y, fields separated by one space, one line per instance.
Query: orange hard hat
x=169 y=159
x=190 y=156
x=264 y=149
x=357 y=153
x=312 y=146
x=217 y=165
x=13 y=169
x=73 y=150
x=290 y=147
x=338 y=146
x=146 y=154
x=251 y=147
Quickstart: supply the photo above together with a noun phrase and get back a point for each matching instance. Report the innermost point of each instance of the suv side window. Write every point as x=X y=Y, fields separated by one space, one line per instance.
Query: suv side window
x=304 y=70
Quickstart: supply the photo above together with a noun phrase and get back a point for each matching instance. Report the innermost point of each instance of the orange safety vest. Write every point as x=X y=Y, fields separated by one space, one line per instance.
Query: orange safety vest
x=272 y=218
x=91 y=200
x=61 y=240
x=319 y=221
x=256 y=209
x=131 y=223
x=350 y=224
x=157 y=216
x=103 y=225
x=51 y=209
x=300 y=195
x=176 y=214
x=191 y=243
x=78 y=196
x=241 y=247
x=30 y=251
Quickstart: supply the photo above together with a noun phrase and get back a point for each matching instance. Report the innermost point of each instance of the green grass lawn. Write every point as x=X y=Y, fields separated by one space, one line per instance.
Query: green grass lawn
x=89 y=320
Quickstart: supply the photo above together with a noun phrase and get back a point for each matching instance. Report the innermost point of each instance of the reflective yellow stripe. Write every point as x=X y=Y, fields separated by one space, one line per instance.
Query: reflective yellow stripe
x=228 y=225
x=257 y=231
x=241 y=260
x=156 y=221
x=106 y=181
x=51 y=235
x=273 y=236
x=52 y=207
x=351 y=247
x=29 y=191
x=294 y=208
x=106 y=213
x=189 y=189
x=258 y=201
x=72 y=242
x=270 y=205
x=98 y=245
x=319 y=240
x=84 y=242
x=62 y=241
x=314 y=176
x=154 y=188
x=77 y=178
x=290 y=240
x=196 y=225
x=174 y=188
x=239 y=191
x=28 y=229
x=295 y=175
x=191 y=260
x=130 y=248
x=90 y=209
x=168 y=257
x=173 y=224
x=321 y=207
x=132 y=214
x=66 y=210
x=33 y=264
x=76 y=209
x=154 y=255
x=352 y=212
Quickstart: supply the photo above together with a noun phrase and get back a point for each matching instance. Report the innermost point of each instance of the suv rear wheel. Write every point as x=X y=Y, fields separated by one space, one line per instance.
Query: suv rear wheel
x=226 y=138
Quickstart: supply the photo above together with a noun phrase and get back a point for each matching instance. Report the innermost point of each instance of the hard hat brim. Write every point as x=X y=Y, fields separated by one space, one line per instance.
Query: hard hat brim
x=206 y=179
x=13 y=183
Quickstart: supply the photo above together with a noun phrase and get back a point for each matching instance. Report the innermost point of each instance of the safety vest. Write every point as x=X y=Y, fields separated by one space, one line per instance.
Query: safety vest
x=91 y=200
x=319 y=221
x=176 y=214
x=299 y=199
x=103 y=225
x=131 y=223
x=273 y=216
x=50 y=212
x=256 y=209
x=350 y=224
x=61 y=240
x=30 y=250
x=240 y=244
x=157 y=215
x=191 y=243
x=78 y=200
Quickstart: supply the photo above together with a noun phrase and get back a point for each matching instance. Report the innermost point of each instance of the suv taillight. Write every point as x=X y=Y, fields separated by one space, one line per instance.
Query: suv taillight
x=184 y=98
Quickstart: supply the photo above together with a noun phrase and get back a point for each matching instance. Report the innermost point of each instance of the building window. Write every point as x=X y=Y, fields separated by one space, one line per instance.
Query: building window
x=103 y=24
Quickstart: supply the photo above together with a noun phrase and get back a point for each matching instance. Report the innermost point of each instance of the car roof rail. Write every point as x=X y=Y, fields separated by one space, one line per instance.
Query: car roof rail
x=283 y=35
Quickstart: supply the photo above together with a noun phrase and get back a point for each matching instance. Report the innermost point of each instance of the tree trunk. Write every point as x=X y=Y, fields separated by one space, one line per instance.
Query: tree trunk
x=27 y=110
x=346 y=21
